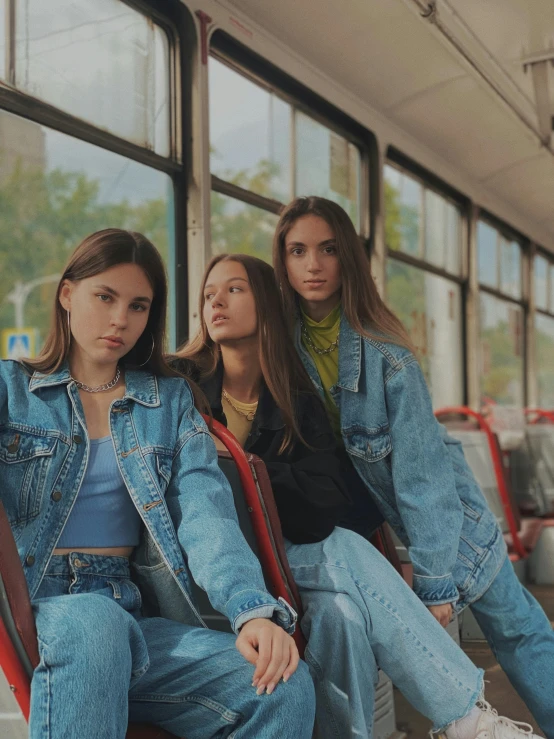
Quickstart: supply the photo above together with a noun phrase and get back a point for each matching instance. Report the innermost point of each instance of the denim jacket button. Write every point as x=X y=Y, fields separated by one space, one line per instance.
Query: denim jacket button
x=12 y=448
x=77 y=439
x=369 y=447
x=29 y=560
x=56 y=496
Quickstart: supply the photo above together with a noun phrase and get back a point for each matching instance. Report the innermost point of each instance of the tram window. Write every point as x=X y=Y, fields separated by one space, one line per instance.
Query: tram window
x=442 y=233
x=541 y=282
x=510 y=268
x=327 y=165
x=250 y=134
x=501 y=345
x=487 y=241
x=403 y=212
x=544 y=343
x=429 y=306
x=55 y=190
x=241 y=228
x=103 y=62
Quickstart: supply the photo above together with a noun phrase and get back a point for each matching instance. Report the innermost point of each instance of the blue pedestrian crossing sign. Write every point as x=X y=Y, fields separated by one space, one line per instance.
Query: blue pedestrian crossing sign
x=18 y=343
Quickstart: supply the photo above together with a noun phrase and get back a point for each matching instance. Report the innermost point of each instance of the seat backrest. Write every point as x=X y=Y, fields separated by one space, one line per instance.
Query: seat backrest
x=478 y=456
x=15 y=606
x=540 y=438
x=261 y=527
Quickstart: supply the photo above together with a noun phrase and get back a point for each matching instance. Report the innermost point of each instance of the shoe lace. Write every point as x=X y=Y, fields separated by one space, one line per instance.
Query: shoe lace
x=520 y=726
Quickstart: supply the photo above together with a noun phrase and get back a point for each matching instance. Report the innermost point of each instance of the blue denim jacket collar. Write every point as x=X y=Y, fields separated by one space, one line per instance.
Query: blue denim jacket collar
x=141 y=387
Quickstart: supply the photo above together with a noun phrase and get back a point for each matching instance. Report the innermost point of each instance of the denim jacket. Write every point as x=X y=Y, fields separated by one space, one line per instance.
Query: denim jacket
x=169 y=465
x=416 y=472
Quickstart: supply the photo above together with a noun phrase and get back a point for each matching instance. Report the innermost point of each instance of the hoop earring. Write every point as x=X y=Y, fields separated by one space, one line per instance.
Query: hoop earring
x=150 y=355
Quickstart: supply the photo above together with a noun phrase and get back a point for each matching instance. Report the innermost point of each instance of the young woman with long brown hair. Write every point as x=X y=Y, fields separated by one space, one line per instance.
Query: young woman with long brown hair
x=358 y=610
x=107 y=469
x=361 y=361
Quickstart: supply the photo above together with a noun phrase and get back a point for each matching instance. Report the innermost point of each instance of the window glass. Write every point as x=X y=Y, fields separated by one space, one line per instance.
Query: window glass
x=510 y=268
x=487 y=238
x=501 y=345
x=544 y=342
x=103 y=62
x=453 y=239
x=250 y=134
x=435 y=229
x=403 y=218
x=54 y=191
x=3 y=39
x=327 y=165
x=442 y=232
x=430 y=308
x=541 y=282
x=241 y=228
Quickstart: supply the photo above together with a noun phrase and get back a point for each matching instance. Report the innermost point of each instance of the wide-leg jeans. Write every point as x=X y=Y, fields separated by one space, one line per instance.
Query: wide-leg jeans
x=103 y=664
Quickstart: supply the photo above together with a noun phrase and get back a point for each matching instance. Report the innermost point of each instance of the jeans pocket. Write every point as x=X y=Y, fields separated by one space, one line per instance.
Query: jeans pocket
x=126 y=593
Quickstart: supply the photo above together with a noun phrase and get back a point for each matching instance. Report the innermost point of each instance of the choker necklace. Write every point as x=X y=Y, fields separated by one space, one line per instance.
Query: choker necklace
x=248 y=415
x=317 y=350
x=98 y=388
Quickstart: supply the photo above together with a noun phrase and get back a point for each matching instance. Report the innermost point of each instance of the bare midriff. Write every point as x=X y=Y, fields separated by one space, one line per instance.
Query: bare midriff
x=105 y=551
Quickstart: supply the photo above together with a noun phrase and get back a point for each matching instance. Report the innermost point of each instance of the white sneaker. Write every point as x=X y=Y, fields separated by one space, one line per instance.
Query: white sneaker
x=489 y=726
x=493 y=726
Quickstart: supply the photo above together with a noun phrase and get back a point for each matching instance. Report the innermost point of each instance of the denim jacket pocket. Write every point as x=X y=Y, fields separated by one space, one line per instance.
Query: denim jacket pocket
x=163 y=469
x=370 y=445
x=25 y=458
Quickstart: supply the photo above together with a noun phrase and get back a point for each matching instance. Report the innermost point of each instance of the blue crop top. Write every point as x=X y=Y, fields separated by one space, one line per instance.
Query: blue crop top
x=103 y=514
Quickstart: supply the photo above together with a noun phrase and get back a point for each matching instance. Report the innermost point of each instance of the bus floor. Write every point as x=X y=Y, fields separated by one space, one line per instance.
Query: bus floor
x=499 y=691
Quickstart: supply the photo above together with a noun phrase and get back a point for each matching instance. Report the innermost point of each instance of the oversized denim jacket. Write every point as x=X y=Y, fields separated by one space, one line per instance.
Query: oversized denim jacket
x=169 y=465
x=416 y=472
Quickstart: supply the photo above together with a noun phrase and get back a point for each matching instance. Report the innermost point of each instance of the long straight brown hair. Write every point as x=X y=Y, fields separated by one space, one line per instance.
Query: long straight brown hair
x=282 y=370
x=95 y=254
x=362 y=305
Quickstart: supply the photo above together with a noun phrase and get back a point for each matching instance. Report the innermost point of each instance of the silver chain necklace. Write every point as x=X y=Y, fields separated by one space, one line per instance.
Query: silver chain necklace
x=98 y=388
x=317 y=350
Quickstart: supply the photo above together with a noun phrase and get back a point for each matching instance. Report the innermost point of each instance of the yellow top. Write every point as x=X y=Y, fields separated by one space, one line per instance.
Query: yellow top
x=236 y=413
x=322 y=335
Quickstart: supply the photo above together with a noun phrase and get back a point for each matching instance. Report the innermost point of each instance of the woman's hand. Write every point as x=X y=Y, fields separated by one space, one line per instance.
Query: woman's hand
x=443 y=613
x=271 y=649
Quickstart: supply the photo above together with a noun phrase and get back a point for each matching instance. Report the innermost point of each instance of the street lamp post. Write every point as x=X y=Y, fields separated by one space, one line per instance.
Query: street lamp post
x=21 y=291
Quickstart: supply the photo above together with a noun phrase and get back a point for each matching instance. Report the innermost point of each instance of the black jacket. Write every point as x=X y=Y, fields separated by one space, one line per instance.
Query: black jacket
x=312 y=487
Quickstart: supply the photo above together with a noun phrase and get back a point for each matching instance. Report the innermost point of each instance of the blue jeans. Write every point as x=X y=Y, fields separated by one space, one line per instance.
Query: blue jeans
x=103 y=664
x=359 y=613
x=522 y=640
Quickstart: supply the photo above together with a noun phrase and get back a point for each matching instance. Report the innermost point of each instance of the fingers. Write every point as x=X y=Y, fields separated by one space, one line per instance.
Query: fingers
x=269 y=675
x=294 y=659
x=264 y=658
x=281 y=666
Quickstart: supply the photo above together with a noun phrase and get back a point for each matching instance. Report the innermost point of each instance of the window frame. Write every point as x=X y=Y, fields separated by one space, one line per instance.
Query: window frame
x=177 y=23
x=270 y=78
x=430 y=182
x=510 y=235
x=549 y=258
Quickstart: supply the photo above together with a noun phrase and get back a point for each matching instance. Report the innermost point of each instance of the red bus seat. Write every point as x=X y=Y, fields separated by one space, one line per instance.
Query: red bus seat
x=521 y=535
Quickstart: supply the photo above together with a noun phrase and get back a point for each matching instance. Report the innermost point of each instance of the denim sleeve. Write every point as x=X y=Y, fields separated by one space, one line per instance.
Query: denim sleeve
x=202 y=509
x=424 y=485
